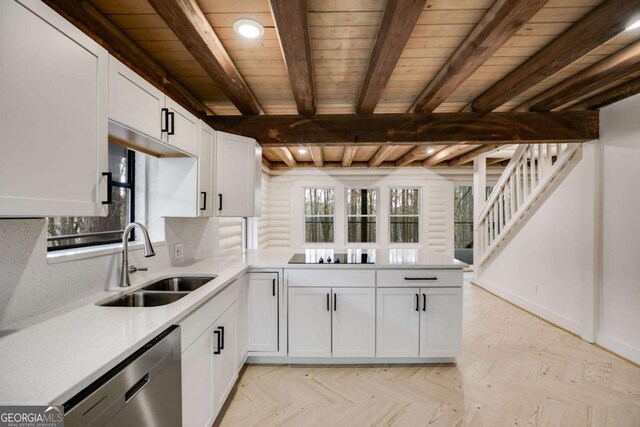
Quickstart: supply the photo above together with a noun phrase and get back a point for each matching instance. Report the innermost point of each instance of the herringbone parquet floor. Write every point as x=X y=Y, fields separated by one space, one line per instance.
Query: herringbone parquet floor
x=516 y=370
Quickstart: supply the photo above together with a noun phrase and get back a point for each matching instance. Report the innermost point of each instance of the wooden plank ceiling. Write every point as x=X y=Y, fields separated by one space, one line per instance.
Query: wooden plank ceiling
x=384 y=56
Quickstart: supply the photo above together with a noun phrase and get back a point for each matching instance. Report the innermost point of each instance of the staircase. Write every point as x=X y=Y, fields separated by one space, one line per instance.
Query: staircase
x=524 y=180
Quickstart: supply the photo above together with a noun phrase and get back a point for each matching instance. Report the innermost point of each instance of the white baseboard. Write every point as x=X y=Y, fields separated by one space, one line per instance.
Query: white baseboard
x=347 y=360
x=619 y=347
x=553 y=317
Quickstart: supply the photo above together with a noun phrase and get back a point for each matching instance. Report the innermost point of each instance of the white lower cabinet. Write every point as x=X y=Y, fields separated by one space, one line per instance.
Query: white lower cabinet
x=198 y=389
x=242 y=340
x=398 y=322
x=262 y=301
x=441 y=322
x=224 y=354
x=326 y=322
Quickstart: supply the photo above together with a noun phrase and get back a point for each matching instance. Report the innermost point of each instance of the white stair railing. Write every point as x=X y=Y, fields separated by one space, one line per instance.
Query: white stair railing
x=527 y=175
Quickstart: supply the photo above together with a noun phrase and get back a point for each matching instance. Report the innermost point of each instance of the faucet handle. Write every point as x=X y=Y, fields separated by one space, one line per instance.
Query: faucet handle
x=133 y=269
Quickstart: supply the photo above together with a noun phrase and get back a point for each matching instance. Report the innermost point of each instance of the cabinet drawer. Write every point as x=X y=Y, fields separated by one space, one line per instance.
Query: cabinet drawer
x=331 y=278
x=197 y=322
x=419 y=278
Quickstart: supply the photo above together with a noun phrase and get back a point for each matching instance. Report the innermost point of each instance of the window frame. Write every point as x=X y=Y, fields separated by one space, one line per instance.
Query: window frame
x=131 y=185
x=305 y=216
x=347 y=215
x=419 y=215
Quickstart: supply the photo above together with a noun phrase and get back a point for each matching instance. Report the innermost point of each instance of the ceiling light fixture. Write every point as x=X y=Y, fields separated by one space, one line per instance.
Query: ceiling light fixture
x=248 y=28
x=431 y=150
x=634 y=25
x=302 y=150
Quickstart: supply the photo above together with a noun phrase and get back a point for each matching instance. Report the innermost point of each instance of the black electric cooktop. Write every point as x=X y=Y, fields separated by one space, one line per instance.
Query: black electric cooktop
x=322 y=256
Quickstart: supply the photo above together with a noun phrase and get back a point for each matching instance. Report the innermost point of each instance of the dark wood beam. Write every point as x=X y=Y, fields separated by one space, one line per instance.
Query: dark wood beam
x=477 y=152
x=187 y=21
x=446 y=153
x=495 y=28
x=412 y=129
x=413 y=155
x=601 y=24
x=286 y=156
x=624 y=63
x=316 y=156
x=266 y=162
x=609 y=96
x=398 y=20
x=348 y=155
x=338 y=165
x=89 y=20
x=380 y=155
x=292 y=25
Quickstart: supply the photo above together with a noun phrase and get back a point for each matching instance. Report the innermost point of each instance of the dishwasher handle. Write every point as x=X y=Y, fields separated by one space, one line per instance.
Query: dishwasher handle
x=136 y=388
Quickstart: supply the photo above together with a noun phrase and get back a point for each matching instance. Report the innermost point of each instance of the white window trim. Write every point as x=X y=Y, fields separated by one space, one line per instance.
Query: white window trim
x=348 y=244
x=420 y=211
x=306 y=244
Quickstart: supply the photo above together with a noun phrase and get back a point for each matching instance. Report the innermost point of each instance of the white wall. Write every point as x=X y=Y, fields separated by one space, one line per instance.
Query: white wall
x=581 y=246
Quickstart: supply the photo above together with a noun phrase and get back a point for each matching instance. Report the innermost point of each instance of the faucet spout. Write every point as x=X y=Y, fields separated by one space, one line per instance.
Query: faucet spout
x=148 y=250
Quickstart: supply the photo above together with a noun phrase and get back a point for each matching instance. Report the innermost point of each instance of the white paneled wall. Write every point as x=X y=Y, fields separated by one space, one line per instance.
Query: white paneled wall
x=229 y=234
x=439 y=215
x=264 y=222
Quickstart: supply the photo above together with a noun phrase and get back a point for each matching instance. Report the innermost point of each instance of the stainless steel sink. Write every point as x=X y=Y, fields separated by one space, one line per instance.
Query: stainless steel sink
x=144 y=299
x=179 y=284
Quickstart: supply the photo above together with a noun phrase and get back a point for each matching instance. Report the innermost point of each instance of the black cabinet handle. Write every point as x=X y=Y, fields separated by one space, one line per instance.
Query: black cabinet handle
x=424 y=302
x=221 y=337
x=417 y=302
x=204 y=200
x=219 y=202
x=164 y=116
x=273 y=287
x=420 y=278
x=109 y=176
x=328 y=303
x=218 y=340
x=335 y=302
x=171 y=129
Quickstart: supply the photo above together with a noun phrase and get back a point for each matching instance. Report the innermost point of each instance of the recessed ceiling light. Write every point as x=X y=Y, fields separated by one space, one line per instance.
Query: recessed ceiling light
x=248 y=28
x=635 y=24
x=431 y=150
x=302 y=150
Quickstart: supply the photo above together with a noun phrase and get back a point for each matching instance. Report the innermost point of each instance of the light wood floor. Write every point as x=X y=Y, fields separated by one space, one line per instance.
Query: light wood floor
x=516 y=370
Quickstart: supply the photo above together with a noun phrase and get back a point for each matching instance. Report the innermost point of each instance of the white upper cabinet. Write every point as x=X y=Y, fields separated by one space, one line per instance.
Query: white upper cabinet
x=53 y=114
x=134 y=102
x=238 y=176
x=183 y=128
x=205 y=170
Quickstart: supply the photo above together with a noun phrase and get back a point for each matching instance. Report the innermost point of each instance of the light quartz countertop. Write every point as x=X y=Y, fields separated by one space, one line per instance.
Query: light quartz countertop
x=50 y=361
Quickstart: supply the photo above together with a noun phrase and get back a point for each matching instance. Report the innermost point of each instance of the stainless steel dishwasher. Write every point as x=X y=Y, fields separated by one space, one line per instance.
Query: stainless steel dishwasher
x=143 y=390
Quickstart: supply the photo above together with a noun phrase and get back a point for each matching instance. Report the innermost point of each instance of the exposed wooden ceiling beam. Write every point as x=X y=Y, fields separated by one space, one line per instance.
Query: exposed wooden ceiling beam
x=89 y=20
x=413 y=155
x=410 y=128
x=601 y=24
x=266 y=162
x=496 y=161
x=292 y=25
x=609 y=96
x=316 y=156
x=446 y=153
x=622 y=64
x=337 y=165
x=380 y=155
x=187 y=21
x=477 y=152
x=398 y=20
x=286 y=156
x=495 y=28
x=348 y=155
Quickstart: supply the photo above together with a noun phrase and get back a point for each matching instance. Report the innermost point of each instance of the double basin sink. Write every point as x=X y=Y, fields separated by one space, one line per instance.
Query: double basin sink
x=160 y=292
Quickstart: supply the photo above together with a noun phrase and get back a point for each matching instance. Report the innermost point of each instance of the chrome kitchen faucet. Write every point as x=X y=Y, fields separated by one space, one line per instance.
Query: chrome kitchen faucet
x=148 y=252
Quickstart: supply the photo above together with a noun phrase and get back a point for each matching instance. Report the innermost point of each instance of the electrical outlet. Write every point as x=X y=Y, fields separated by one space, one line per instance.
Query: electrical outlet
x=535 y=289
x=178 y=251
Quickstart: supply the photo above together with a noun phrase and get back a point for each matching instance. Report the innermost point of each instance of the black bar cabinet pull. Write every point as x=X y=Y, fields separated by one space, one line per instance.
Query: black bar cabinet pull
x=217 y=332
x=164 y=116
x=204 y=200
x=171 y=131
x=420 y=278
x=273 y=287
x=335 y=302
x=219 y=202
x=109 y=176
x=417 y=302
x=424 y=302
x=221 y=337
x=328 y=303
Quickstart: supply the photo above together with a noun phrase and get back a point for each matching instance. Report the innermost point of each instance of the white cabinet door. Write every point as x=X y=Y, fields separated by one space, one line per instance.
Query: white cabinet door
x=198 y=394
x=53 y=113
x=263 y=312
x=134 y=102
x=310 y=322
x=205 y=170
x=354 y=322
x=397 y=322
x=225 y=348
x=235 y=175
x=183 y=128
x=243 y=320
x=441 y=322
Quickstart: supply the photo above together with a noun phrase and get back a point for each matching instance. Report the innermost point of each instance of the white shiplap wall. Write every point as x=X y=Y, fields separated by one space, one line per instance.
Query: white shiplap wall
x=229 y=234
